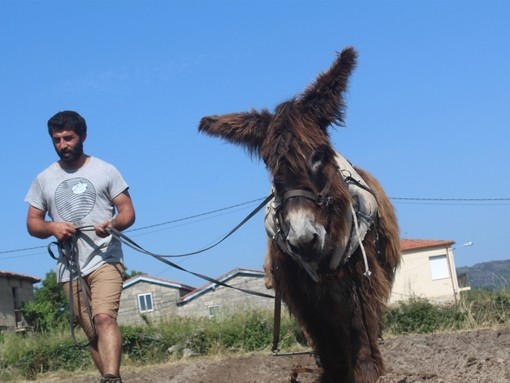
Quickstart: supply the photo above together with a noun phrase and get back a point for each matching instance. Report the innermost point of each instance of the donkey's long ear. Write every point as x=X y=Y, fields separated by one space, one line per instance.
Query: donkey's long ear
x=322 y=101
x=245 y=129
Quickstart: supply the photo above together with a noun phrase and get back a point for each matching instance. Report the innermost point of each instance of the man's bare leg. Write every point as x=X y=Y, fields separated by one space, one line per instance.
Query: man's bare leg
x=109 y=344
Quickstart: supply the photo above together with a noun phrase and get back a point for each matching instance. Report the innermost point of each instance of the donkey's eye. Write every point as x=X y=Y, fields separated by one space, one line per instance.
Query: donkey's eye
x=318 y=159
x=316 y=165
x=278 y=185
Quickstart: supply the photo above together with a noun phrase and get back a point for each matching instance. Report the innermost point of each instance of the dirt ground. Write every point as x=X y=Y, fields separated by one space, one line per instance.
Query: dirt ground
x=480 y=356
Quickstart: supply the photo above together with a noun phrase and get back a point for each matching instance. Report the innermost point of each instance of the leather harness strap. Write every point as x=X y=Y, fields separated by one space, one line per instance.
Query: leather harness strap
x=277 y=321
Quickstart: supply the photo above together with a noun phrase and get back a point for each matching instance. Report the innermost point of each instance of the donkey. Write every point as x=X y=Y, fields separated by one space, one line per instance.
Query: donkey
x=334 y=239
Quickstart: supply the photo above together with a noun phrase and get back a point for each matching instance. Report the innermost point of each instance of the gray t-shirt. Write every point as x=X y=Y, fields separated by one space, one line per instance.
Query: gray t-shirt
x=83 y=197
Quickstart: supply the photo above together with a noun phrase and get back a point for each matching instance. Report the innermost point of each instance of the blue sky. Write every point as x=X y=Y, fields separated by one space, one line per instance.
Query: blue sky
x=428 y=113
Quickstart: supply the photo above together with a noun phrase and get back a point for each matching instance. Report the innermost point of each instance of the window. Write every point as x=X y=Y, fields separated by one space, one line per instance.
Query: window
x=439 y=267
x=145 y=303
x=214 y=311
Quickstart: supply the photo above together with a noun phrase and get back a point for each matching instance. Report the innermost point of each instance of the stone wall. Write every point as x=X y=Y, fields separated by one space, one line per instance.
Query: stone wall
x=218 y=300
x=164 y=300
x=171 y=299
x=14 y=292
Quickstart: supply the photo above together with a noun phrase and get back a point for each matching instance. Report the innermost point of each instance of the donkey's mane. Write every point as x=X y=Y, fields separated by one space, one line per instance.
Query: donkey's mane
x=293 y=136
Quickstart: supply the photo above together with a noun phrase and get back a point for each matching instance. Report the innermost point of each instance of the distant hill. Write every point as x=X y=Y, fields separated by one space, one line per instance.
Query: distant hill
x=494 y=275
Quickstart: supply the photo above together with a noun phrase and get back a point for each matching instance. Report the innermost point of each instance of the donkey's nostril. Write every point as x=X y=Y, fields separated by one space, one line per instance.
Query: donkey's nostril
x=305 y=247
x=314 y=240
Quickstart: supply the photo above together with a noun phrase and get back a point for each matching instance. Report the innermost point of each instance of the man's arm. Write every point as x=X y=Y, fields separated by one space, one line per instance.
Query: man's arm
x=125 y=215
x=37 y=226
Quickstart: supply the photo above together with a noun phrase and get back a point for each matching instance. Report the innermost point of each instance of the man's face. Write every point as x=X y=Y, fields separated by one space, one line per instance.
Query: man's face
x=68 y=145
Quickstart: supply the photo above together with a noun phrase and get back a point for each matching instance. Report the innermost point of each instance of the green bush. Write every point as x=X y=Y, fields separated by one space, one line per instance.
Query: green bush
x=476 y=309
x=143 y=344
x=49 y=309
x=244 y=332
x=418 y=315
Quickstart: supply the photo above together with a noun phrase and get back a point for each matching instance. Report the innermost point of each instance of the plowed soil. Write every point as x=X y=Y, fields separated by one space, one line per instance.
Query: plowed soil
x=479 y=356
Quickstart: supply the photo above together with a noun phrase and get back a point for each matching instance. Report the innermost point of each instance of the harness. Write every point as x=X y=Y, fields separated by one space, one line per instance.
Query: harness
x=280 y=235
x=361 y=217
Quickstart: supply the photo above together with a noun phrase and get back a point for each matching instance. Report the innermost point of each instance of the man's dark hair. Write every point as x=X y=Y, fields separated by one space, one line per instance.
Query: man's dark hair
x=67 y=120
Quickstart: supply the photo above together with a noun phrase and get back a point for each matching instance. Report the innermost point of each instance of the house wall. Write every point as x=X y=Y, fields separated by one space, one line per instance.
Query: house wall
x=24 y=292
x=224 y=300
x=164 y=300
x=414 y=277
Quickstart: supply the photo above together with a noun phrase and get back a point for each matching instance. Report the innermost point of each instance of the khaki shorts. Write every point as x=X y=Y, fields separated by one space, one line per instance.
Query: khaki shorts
x=104 y=287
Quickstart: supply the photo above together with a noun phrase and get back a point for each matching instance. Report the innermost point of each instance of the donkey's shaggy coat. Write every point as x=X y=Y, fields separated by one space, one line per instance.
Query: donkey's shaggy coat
x=341 y=309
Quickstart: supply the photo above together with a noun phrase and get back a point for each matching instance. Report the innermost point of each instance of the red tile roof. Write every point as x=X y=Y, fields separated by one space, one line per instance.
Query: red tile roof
x=8 y=274
x=410 y=244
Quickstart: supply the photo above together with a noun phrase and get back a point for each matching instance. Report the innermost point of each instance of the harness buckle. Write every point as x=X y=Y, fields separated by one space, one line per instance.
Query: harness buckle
x=324 y=200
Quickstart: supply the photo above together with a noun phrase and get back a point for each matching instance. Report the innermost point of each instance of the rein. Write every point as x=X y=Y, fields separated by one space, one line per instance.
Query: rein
x=129 y=242
x=68 y=254
x=160 y=257
x=135 y=246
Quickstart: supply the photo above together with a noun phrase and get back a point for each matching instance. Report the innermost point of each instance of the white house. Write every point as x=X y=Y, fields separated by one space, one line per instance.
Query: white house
x=428 y=271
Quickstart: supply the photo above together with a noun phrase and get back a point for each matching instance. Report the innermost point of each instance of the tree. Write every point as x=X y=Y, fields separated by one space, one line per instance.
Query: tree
x=130 y=274
x=49 y=310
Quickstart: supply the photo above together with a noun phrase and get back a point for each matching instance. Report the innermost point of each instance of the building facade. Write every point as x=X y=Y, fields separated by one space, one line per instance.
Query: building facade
x=15 y=290
x=427 y=271
x=215 y=300
x=149 y=299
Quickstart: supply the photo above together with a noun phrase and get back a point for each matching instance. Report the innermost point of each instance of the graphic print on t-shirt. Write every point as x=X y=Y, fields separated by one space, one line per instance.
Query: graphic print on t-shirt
x=75 y=199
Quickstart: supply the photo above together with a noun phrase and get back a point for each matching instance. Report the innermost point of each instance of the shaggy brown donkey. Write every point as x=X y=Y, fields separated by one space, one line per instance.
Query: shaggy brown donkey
x=334 y=243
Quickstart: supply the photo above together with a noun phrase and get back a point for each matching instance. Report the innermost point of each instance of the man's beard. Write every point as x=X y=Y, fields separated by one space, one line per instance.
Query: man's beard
x=69 y=155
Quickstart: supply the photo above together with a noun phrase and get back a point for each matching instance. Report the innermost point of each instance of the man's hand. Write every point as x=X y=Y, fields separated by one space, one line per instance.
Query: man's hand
x=124 y=219
x=40 y=228
x=101 y=229
x=62 y=230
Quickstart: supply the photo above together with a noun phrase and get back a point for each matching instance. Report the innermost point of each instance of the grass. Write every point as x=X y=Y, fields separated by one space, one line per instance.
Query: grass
x=476 y=309
x=27 y=357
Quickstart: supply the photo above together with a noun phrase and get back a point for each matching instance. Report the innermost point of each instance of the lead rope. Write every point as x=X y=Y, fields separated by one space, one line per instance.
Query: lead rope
x=367 y=272
x=132 y=244
x=70 y=257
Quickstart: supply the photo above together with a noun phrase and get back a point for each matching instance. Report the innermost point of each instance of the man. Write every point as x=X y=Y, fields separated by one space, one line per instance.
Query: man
x=84 y=197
